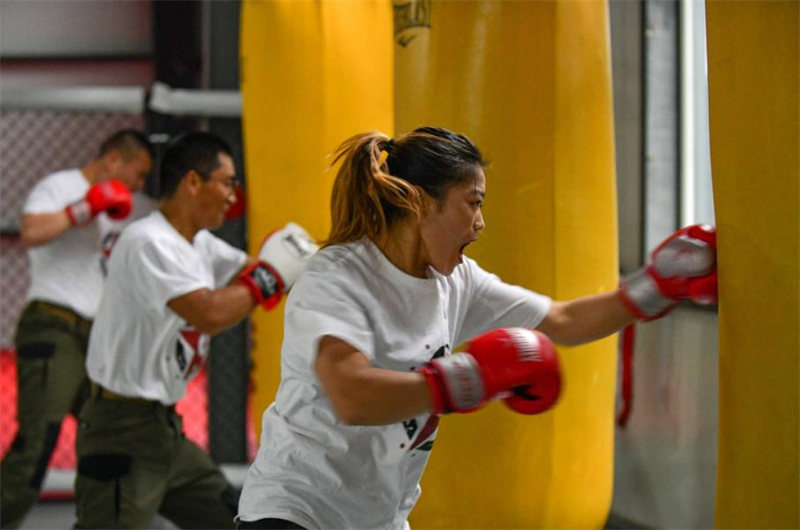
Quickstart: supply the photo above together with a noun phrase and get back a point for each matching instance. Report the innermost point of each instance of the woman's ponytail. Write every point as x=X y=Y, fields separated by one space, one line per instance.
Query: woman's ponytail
x=366 y=198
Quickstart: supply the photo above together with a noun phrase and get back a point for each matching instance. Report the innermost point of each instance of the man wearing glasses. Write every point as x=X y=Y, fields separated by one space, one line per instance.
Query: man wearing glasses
x=171 y=285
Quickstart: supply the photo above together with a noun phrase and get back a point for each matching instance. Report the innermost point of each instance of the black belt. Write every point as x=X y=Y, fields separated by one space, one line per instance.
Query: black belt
x=62 y=313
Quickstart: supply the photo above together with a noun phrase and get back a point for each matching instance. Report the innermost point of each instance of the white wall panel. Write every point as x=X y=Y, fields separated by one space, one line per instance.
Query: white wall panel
x=69 y=28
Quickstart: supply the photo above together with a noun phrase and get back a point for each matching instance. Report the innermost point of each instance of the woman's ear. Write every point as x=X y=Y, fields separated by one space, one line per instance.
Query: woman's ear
x=425 y=201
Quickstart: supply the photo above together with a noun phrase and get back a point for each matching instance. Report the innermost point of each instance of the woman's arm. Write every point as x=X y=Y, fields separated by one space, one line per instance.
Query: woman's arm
x=364 y=395
x=684 y=266
x=586 y=319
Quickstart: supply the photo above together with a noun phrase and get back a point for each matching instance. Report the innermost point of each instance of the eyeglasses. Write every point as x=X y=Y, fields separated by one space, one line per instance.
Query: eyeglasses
x=231 y=183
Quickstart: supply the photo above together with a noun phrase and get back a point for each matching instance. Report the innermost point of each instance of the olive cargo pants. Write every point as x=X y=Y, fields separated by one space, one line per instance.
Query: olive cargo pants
x=51 y=344
x=134 y=462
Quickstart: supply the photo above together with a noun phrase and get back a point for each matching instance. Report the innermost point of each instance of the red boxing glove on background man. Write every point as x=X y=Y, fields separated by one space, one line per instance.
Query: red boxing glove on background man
x=110 y=196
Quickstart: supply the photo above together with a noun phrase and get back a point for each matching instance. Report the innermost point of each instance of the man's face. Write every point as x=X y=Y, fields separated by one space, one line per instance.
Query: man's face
x=131 y=171
x=217 y=193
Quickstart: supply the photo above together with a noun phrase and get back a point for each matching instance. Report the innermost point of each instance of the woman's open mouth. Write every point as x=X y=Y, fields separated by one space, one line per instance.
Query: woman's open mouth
x=461 y=251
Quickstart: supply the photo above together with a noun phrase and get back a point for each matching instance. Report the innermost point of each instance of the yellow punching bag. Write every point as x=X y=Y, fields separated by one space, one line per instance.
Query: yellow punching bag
x=306 y=86
x=753 y=73
x=530 y=82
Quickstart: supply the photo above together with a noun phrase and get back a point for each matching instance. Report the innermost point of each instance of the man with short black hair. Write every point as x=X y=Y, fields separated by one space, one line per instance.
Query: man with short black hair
x=70 y=220
x=172 y=284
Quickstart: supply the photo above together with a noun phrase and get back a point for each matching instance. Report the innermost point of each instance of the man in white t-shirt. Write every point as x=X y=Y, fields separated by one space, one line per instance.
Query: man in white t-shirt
x=70 y=220
x=171 y=285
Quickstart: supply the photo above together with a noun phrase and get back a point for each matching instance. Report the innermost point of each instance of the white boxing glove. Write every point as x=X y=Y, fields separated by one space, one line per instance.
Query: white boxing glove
x=282 y=256
x=287 y=251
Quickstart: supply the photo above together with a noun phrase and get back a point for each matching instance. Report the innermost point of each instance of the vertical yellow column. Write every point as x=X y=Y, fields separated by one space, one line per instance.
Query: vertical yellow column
x=307 y=84
x=530 y=82
x=753 y=69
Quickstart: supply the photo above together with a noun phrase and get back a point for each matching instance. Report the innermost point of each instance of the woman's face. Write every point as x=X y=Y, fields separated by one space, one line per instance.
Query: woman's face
x=452 y=223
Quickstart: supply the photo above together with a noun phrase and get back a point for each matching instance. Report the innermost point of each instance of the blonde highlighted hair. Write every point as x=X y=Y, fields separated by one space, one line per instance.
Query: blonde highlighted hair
x=381 y=180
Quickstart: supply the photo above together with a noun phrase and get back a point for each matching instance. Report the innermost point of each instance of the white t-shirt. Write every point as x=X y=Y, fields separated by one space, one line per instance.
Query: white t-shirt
x=138 y=346
x=69 y=269
x=313 y=469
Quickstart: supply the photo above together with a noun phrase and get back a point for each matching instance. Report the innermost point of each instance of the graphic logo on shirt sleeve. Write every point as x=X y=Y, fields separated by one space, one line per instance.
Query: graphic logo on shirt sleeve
x=422 y=437
x=191 y=351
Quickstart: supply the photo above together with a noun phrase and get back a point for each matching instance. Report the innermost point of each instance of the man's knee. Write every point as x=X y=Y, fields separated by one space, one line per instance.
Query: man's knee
x=29 y=454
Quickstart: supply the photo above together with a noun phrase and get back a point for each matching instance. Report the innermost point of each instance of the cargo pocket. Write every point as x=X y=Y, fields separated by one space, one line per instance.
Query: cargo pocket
x=37 y=355
x=36 y=350
x=98 y=489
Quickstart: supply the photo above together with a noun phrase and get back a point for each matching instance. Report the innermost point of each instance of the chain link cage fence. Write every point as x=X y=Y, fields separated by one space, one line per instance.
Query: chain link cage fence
x=232 y=433
x=34 y=143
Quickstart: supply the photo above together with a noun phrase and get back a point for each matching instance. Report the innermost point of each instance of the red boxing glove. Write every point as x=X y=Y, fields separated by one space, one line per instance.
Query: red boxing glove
x=517 y=364
x=111 y=196
x=264 y=283
x=683 y=267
